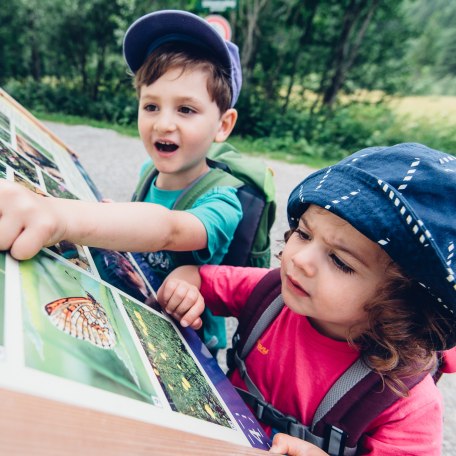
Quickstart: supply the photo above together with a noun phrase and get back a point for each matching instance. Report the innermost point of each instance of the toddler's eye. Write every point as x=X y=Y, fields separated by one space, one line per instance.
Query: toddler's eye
x=302 y=234
x=341 y=265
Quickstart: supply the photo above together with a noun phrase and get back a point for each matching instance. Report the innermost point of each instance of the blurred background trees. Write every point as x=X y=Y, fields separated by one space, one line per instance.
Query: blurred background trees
x=319 y=75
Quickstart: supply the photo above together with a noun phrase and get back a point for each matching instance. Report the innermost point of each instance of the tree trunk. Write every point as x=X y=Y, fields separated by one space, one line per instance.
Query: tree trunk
x=348 y=46
x=252 y=11
x=304 y=40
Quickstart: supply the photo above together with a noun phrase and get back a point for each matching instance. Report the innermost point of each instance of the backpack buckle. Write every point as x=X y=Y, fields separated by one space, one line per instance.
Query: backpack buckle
x=334 y=441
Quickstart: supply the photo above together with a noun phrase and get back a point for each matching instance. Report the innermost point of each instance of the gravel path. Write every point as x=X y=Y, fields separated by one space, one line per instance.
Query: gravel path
x=113 y=162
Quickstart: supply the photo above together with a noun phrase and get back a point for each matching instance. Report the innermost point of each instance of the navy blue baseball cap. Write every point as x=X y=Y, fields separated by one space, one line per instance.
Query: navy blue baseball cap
x=154 y=29
x=403 y=198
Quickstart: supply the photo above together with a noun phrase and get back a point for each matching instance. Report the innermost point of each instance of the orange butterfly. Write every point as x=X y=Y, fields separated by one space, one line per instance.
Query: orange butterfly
x=83 y=318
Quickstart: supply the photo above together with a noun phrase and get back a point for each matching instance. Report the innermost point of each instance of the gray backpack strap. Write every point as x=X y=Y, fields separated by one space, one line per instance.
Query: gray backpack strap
x=353 y=375
x=268 y=414
x=336 y=438
x=263 y=322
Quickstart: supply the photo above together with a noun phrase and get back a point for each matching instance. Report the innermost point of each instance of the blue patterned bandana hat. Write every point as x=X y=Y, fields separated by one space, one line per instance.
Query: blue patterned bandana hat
x=155 y=29
x=403 y=198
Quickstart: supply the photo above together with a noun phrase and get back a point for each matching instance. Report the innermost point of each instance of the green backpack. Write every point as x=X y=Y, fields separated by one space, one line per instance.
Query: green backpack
x=251 y=245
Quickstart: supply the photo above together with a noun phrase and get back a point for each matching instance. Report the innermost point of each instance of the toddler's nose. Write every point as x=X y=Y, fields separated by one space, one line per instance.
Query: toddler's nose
x=306 y=260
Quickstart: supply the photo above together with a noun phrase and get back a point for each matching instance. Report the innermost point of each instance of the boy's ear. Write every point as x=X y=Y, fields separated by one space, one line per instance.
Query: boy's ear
x=227 y=123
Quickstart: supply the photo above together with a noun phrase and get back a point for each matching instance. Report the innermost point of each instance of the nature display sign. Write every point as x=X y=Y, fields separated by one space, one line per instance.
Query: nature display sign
x=70 y=334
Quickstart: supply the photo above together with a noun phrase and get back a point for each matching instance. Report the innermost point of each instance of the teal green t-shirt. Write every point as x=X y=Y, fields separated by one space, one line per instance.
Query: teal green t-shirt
x=220 y=212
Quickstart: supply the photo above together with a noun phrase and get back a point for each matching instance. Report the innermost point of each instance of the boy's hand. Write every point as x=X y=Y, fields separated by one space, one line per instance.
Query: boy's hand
x=27 y=221
x=183 y=301
x=292 y=446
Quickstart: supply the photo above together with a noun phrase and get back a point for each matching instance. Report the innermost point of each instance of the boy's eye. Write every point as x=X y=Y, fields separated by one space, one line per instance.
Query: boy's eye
x=151 y=107
x=186 y=110
x=340 y=264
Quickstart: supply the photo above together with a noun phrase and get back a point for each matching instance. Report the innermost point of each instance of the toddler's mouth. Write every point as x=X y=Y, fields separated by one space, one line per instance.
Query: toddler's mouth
x=165 y=146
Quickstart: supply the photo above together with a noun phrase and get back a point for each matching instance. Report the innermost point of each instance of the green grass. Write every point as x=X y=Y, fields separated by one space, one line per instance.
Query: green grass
x=251 y=147
x=126 y=130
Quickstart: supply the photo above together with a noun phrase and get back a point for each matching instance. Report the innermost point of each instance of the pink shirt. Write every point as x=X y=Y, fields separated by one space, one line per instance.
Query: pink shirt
x=293 y=365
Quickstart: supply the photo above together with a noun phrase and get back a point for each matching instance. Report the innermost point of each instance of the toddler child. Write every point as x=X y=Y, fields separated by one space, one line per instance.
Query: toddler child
x=366 y=274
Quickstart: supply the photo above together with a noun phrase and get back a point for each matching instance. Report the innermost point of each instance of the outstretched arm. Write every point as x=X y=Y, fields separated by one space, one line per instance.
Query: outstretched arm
x=29 y=222
x=292 y=446
x=180 y=296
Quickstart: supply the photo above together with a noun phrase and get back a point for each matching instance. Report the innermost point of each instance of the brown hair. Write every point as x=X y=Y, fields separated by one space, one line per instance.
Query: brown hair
x=403 y=329
x=403 y=332
x=187 y=58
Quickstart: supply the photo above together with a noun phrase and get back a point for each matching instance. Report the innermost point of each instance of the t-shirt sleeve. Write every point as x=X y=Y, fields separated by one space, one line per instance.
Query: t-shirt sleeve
x=226 y=288
x=412 y=425
x=220 y=212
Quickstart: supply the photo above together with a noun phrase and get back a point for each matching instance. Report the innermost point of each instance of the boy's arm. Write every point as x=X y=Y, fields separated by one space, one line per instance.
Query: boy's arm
x=29 y=222
x=180 y=296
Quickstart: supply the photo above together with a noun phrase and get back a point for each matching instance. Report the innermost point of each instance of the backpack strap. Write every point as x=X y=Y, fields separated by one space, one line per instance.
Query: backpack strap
x=241 y=251
x=266 y=290
x=351 y=404
x=144 y=183
x=215 y=177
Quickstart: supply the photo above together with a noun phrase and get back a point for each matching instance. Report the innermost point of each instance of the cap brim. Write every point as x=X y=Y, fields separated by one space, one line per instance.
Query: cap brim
x=152 y=27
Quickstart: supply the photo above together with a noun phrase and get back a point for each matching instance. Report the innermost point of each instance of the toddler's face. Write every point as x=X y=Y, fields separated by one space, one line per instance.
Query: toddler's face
x=177 y=122
x=329 y=271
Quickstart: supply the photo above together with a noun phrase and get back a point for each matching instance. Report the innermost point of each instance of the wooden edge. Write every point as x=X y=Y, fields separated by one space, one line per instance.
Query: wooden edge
x=33 y=119
x=33 y=425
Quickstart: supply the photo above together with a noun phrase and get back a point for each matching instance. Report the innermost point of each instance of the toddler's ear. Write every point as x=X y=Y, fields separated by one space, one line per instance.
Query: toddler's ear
x=227 y=122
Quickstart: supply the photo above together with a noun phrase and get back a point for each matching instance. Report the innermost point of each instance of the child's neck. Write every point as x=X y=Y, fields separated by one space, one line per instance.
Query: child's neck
x=180 y=180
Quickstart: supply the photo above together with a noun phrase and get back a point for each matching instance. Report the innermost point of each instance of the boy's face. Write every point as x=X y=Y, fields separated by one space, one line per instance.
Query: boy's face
x=177 y=122
x=330 y=271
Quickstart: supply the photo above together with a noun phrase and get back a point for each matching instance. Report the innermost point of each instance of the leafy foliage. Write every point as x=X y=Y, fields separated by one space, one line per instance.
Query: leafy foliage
x=301 y=60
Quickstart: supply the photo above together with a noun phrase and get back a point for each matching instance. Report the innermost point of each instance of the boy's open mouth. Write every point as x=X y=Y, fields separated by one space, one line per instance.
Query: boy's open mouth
x=164 y=146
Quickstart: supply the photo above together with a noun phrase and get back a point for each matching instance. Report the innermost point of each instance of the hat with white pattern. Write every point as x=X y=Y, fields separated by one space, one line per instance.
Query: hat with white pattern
x=404 y=198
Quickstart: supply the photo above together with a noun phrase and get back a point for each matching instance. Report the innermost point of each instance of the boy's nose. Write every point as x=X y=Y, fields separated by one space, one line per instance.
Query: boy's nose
x=165 y=123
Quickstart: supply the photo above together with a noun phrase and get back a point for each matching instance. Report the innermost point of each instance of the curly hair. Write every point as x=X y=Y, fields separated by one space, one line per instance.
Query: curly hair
x=186 y=57
x=403 y=328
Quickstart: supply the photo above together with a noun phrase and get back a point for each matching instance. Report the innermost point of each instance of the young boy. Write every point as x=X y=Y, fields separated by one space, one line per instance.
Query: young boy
x=188 y=80
x=366 y=280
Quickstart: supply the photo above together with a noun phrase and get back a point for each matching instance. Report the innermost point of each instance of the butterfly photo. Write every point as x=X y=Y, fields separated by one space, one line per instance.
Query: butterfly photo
x=73 y=329
x=83 y=318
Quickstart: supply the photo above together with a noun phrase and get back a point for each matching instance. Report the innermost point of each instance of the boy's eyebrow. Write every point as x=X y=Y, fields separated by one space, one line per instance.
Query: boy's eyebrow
x=180 y=100
x=338 y=245
x=187 y=99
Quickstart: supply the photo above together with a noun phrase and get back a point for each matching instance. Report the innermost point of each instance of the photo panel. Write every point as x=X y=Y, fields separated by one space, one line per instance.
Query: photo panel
x=37 y=154
x=2 y=303
x=72 y=329
x=57 y=187
x=120 y=270
x=20 y=164
x=2 y=171
x=181 y=378
x=5 y=127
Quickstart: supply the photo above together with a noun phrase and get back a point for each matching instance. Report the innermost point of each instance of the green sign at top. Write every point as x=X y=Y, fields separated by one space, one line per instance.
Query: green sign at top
x=218 y=5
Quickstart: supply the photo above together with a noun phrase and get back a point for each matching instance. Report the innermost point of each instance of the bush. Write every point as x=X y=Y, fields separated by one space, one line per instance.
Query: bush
x=119 y=107
x=299 y=134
